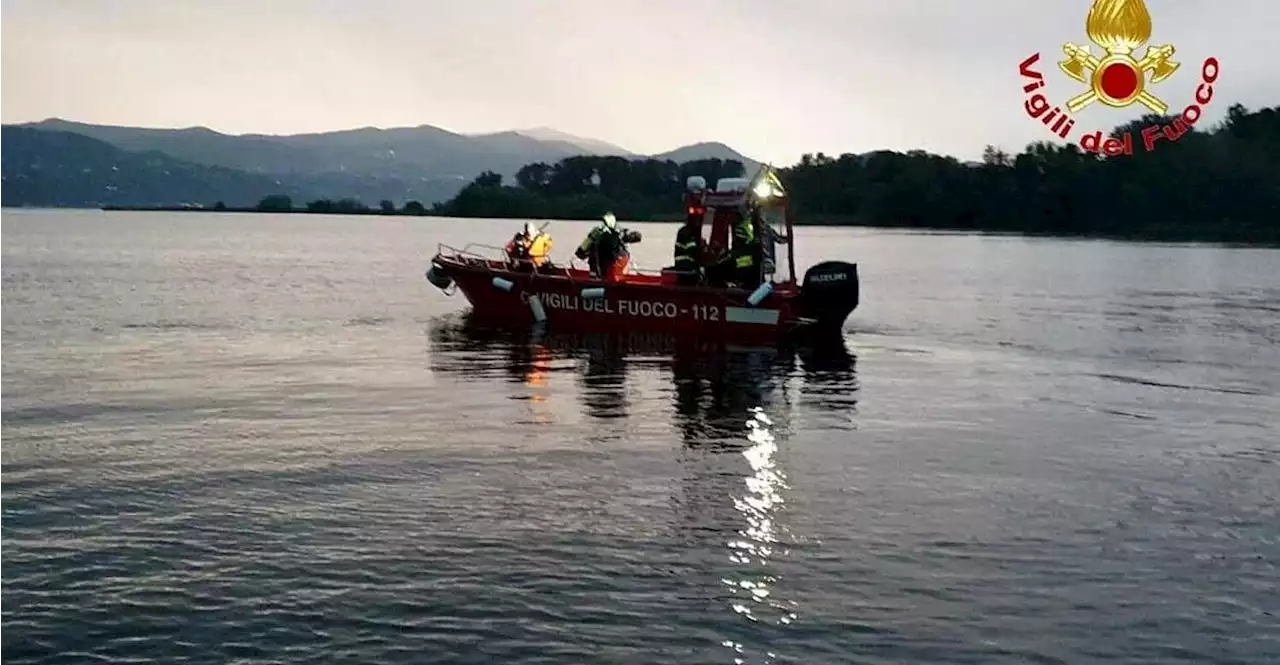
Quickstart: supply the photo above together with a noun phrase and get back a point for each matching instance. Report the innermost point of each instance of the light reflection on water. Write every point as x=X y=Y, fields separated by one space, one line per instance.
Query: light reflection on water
x=535 y=379
x=755 y=589
x=758 y=505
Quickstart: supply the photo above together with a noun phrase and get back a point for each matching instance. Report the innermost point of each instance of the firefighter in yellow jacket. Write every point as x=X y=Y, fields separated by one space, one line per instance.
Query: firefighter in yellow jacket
x=530 y=248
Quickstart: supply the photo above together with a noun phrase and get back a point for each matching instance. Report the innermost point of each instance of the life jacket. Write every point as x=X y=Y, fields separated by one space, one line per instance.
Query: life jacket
x=539 y=249
x=536 y=249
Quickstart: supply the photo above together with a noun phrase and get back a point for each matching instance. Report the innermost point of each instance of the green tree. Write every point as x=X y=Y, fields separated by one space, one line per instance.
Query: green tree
x=275 y=203
x=349 y=205
x=1208 y=183
x=488 y=179
x=414 y=208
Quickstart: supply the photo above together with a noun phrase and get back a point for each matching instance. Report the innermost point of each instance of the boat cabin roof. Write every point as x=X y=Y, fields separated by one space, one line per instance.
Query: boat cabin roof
x=734 y=200
x=724 y=199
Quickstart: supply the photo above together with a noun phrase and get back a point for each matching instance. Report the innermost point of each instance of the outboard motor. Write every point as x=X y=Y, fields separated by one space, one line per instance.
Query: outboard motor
x=830 y=293
x=438 y=278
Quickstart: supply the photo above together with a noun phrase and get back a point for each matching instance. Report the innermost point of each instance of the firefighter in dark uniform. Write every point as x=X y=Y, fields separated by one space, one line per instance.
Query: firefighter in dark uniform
x=689 y=251
x=605 y=249
x=745 y=252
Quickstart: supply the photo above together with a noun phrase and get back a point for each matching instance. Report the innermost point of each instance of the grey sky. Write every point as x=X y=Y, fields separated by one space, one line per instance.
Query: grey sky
x=772 y=79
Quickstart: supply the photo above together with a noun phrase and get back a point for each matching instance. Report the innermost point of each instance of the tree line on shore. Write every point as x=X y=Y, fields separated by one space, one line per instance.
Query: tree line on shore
x=283 y=203
x=1220 y=184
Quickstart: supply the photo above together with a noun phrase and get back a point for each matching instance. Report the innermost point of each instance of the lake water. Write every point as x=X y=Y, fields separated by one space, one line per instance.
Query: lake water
x=254 y=438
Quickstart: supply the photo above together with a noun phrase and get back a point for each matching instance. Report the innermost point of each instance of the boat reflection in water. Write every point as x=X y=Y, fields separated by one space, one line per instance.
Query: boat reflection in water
x=728 y=405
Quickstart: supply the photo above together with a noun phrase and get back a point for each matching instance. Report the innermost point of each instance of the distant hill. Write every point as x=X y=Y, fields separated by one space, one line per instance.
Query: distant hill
x=423 y=163
x=709 y=150
x=404 y=152
x=63 y=169
x=591 y=146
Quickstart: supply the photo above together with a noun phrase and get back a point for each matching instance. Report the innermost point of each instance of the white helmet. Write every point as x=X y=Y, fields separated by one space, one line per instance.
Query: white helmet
x=610 y=221
x=530 y=229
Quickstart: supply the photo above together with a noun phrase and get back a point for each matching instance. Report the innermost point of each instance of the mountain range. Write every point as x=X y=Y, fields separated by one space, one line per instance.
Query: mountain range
x=59 y=162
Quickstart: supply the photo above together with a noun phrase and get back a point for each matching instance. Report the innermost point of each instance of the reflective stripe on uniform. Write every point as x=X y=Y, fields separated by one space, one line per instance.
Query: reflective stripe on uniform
x=686 y=248
x=686 y=252
x=743 y=236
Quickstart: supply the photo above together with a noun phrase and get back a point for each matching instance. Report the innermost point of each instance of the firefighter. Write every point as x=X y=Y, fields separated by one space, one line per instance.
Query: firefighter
x=690 y=251
x=745 y=251
x=531 y=248
x=605 y=248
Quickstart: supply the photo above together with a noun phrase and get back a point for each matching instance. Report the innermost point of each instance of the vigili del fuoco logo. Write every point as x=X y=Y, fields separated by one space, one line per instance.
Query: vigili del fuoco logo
x=1116 y=78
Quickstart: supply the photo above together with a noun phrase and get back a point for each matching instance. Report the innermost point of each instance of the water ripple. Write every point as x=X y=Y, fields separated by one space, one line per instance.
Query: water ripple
x=267 y=439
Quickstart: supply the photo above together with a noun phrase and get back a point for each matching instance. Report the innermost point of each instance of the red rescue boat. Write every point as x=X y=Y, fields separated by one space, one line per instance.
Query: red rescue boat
x=572 y=299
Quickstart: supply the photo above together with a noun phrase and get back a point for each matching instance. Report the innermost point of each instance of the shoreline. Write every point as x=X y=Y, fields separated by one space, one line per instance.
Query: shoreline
x=1177 y=236
x=303 y=211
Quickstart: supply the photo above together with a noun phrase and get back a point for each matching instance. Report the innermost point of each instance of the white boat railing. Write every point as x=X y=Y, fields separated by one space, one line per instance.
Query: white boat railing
x=466 y=251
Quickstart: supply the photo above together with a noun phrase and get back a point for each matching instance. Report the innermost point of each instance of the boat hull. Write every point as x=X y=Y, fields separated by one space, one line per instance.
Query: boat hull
x=574 y=301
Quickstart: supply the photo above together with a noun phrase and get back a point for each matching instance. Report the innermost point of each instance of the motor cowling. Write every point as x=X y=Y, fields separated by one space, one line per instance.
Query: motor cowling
x=438 y=278
x=830 y=292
